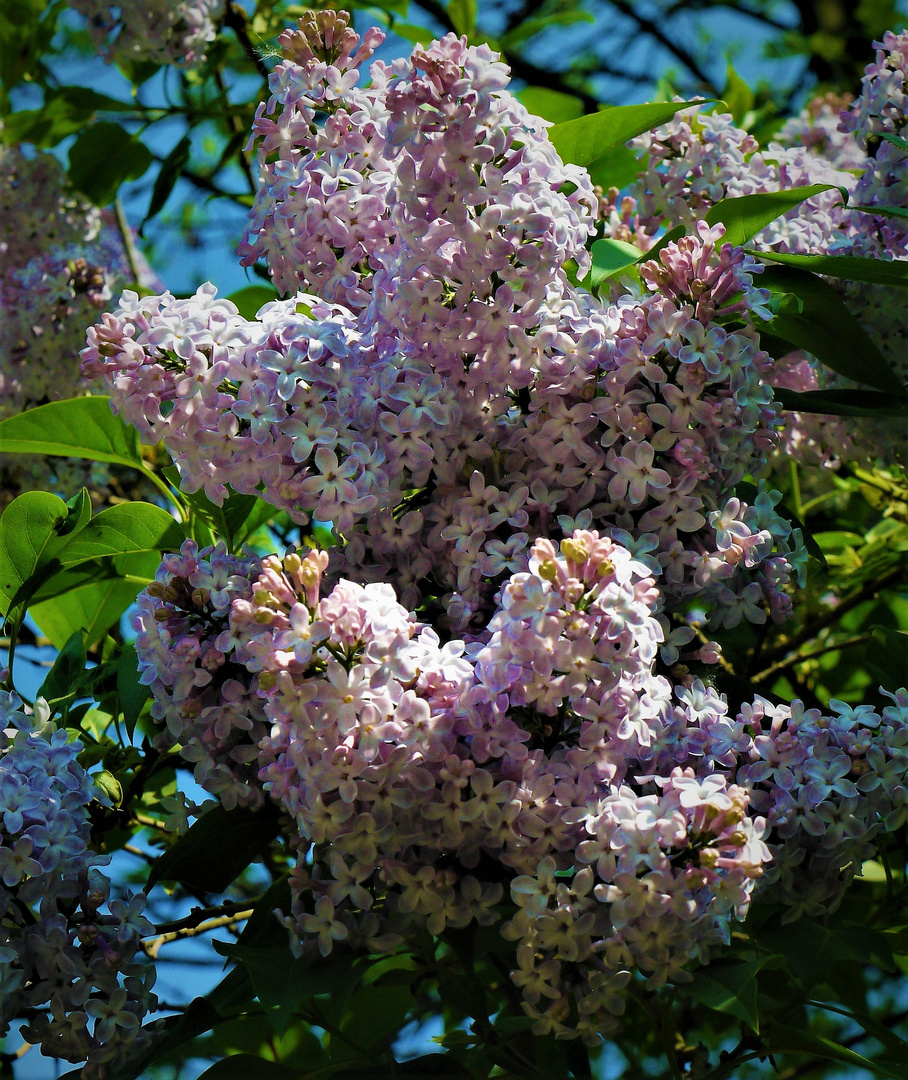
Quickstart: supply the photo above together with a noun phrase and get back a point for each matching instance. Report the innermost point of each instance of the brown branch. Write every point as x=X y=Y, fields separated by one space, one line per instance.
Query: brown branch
x=152 y=946
x=235 y=20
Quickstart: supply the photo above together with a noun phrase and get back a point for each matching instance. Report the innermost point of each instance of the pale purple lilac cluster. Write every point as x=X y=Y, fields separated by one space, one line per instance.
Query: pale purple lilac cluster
x=204 y=698
x=696 y=160
x=450 y=401
x=631 y=819
x=61 y=261
x=161 y=31
x=69 y=953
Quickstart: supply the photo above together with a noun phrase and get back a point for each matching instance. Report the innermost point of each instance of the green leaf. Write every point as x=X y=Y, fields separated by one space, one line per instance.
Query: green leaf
x=748 y=215
x=616 y=168
x=251 y=298
x=842 y=402
x=886 y=658
x=426 y=1067
x=729 y=986
x=90 y=609
x=586 y=140
x=896 y=140
x=169 y=173
x=529 y=28
x=61 y=687
x=132 y=693
x=122 y=530
x=737 y=95
x=462 y=14
x=884 y=211
x=79 y=427
x=30 y=535
x=848 y=267
x=244 y=1066
x=827 y=329
x=552 y=105
x=610 y=257
x=217 y=848
x=103 y=157
x=787 y=1040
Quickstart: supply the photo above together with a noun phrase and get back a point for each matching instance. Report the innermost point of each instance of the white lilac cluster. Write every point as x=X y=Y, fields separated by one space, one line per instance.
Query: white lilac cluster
x=69 y=953
x=161 y=31
x=61 y=261
x=444 y=432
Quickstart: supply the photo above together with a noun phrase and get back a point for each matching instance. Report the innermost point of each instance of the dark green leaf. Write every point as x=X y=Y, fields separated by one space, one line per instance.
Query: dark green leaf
x=217 y=848
x=884 y=211
x=847 y=267
x=247 y=1066
x=886 y=658
x=827 y=329
x=30 y=530
x=262 y=929
x=610 y=257
x=103 y=157
x=842 y=402
x=79 y=427
x=60 y=688
x=729 y=986
x=426 y=1067
x=168 y=174
x=788 y=1040
x=585 y=140
x=748 y=215
x=89 y=101
x=132 y=693
x=251 y=298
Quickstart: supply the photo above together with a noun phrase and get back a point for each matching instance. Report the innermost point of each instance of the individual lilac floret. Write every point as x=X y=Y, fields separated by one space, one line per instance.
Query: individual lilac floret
x=72 y=966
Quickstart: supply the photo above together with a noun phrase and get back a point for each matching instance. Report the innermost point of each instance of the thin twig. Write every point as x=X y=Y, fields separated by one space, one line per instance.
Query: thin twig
x=799 y=658
x=153 y=945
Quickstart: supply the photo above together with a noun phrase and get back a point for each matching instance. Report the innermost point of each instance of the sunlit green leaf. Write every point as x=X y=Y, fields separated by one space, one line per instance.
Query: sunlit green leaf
x=747 y=215
x=81 y=427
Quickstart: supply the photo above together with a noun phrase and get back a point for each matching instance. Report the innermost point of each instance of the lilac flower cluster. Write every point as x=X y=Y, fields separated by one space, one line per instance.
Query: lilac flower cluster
x=61 y=260
x=450 y=401
x=694 y=161
x=162 y=31
x=74 y=965
x=204 y=698
x=420 y=776
x=295 y=402
x=434 y=180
